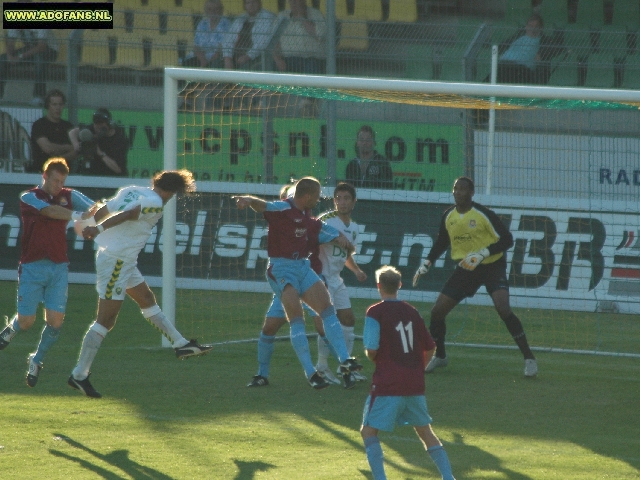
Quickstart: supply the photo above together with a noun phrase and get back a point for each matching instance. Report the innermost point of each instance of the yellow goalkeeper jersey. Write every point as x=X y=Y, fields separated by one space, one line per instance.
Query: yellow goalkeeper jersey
x=470 y=232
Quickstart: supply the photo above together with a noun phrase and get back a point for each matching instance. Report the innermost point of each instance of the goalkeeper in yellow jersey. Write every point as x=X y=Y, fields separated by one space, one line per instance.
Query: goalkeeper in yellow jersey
x=478 y=241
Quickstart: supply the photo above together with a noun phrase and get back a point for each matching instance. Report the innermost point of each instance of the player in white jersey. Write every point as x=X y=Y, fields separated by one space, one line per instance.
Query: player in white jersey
x=334 y=259
x=124 y=225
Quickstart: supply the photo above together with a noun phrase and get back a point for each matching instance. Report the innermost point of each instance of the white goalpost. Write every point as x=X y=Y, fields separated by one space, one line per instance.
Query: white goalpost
x=575 y=229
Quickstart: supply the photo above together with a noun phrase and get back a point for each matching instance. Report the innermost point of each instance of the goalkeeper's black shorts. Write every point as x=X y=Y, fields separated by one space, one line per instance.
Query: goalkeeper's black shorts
x=464 y=283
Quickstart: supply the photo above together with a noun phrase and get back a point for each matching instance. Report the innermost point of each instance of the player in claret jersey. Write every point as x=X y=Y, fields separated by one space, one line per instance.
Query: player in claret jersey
x=478 y=241
x=396 y=339
x=44 y=266
x=293 y=231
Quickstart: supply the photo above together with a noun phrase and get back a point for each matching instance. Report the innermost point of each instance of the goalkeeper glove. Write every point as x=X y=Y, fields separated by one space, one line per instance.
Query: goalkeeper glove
x=471 y=261
x=424 y=268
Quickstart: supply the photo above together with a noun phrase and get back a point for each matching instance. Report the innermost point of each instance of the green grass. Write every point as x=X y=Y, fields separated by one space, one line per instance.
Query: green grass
x=161 y=418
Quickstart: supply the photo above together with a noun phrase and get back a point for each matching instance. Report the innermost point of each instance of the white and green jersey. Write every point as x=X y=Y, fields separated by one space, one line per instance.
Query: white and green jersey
x=332 y=256
x=127 y=239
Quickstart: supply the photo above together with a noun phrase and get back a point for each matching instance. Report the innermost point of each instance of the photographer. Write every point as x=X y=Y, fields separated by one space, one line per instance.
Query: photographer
x=102 y=146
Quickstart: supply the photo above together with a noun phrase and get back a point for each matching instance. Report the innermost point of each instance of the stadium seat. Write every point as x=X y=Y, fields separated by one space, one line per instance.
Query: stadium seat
x=181 y=26
x=403 y=11
x=146 y=22
x=130 y=51
x=96 y=48
x=231 y=9
x=62 y=37
x=448 y=63
x=564 y=73
x=590 y=13
x=577 y=39
x=554 y=12
x=135 y=5
x=419 y=62
x=363 y=10
x=165 y=54
x=517 y=11
x=600 y=70
x=626 y=13
x=631 y=76
x=274 y=5
x=354 y=35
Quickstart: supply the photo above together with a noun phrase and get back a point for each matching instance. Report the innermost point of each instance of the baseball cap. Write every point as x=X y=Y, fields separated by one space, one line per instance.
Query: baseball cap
x=102 y=115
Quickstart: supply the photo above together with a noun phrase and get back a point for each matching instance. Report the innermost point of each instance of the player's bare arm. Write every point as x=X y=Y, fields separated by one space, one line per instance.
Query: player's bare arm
x=92 y=232
x=60 y=213
x=352 y=265
x=256 y=204
x=344 y=243
x=371 y=354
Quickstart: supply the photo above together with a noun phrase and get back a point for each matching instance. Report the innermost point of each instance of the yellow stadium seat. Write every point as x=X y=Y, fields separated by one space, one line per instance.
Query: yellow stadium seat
x=95 y=48
x=363 y=10
x=164 y=55
x=62 y=37
x=180 y=26
x=354 y=35
x=232 y=8
x=403 y=11
x=130 y=51
x=272 y=5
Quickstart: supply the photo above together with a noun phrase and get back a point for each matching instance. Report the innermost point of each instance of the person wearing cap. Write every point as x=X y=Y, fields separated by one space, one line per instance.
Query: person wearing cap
x=103 y=145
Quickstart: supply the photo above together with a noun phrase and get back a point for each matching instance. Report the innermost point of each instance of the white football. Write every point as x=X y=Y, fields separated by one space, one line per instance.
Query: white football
x=79 y=225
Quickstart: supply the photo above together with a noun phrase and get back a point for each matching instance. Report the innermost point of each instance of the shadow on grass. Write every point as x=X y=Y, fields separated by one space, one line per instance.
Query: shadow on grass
x=119 y=459
x=248 y=470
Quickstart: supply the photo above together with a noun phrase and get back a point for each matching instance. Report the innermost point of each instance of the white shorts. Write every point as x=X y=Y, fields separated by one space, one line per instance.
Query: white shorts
x=339 y=295
x=114 y=276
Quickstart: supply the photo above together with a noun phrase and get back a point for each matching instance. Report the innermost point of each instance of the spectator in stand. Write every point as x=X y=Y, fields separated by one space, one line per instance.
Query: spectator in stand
x=39 y=47
x=50 y=134
x=207 y=41
x=301 y=48
x=518 y=63
x=248 y=37
x=102 y=145
x=369 y=169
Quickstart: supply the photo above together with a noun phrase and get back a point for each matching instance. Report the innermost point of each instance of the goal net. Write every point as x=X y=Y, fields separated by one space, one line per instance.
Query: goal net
x=558 y=165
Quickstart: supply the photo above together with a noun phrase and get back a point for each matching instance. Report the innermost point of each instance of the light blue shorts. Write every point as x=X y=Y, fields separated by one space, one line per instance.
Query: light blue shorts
x=385 y=412
x=297 y=273
x=42 y=282
x=276 y=310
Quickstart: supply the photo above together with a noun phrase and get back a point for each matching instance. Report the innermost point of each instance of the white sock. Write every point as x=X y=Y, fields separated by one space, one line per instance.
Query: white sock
x=349 y=338
x=90 y=345
x=162 y=323
x=323 y=354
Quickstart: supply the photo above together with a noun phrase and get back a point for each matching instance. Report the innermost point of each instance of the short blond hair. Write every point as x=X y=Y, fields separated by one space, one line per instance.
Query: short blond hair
x=389 y=278
x=56 y=164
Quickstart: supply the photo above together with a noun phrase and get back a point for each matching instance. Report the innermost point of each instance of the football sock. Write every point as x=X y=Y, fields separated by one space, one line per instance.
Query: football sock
x=349 y=338
x=438 y=330
x=90 y=345
x=265 y=351
x=441 y=459
x=514 y=325
x=375 y=457
x=333 y=331
x=48 y=337
x=300 y=344
x=323 y=353
x=155 y=316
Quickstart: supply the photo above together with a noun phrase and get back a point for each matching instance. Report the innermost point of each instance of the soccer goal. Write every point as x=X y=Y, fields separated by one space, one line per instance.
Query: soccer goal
x=559 y=165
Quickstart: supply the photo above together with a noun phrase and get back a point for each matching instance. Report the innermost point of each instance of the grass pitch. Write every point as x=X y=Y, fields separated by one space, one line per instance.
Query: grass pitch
x=161 y=418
